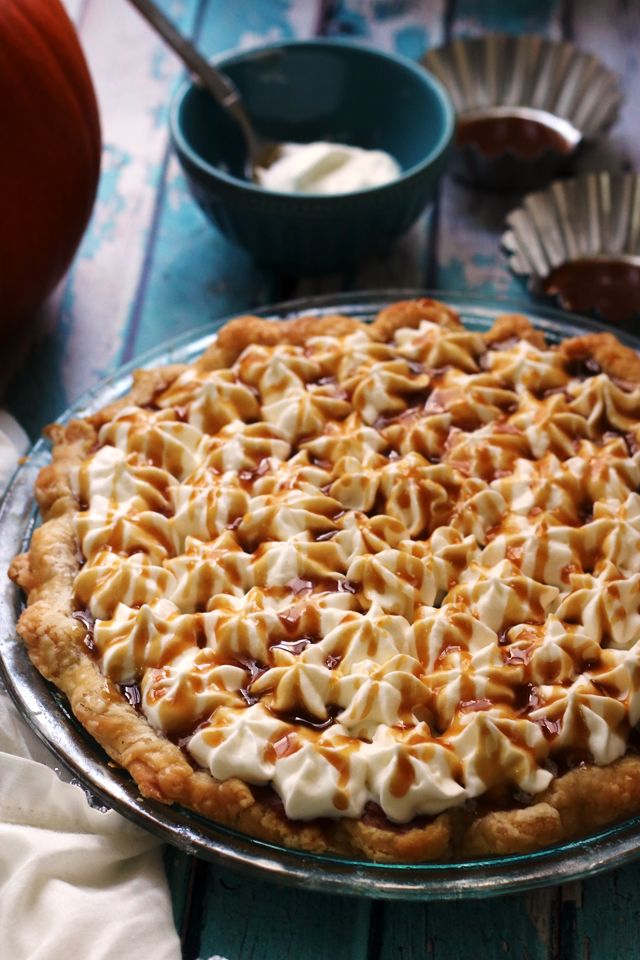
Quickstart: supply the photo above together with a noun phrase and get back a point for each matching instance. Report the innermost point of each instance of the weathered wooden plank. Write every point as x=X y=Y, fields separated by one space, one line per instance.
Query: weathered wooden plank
x=504 y=926
x=524 y=927
x=471 y=221
x=606 y=922
x=133 y=76
x=408 y=930
x=468 y=258
x=180 y=870
x=612 y=33
x=409 y=29
x=193 y=273
x=402 y=932
x=527 y=16
x=247 y=919
x=601 y=917
x=468 y=251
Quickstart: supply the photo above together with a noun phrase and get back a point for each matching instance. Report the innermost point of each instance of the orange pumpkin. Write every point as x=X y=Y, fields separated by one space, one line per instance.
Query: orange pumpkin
x=49 y=151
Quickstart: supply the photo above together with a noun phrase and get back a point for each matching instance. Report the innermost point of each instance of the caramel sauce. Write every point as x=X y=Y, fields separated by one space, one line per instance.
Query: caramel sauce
x=255 y=670
x=403 y=777
x=184 y=716
x=404 y=499
x=556 y=392
x=248 y=698
x=447 y=651
x=632 y=444
x=340 y=800
x=473 y=706
x=494 y=136
x=305 y=720
x=463 y=625
x=541 y=559
x=526 y=698
x=611 y=288
x=327 y=535
x=291 y=618
x=335 y=391
x=280 y=747
x=86 y=618
x=346 y=586
x=339 y=760
x=214 y=736
x=435 y=495
x=419 y=403
x=498 y=346
x=296 y=647
x=517 y=655
x=320 y=463
x=550 y=728
x=298 y=586
x=489 y=767
x=247 y=477
x=253 y=667
x=131 y=693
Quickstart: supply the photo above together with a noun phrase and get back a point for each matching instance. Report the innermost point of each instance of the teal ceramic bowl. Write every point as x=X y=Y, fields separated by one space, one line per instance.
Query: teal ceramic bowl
x=316 y=90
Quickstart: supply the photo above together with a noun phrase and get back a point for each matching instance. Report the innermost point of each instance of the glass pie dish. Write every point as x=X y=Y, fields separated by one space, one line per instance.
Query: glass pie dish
x=50 y=717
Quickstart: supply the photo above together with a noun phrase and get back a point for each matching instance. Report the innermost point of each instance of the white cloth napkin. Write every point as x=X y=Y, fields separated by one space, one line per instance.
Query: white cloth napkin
x=75 y=883
x=14 y=443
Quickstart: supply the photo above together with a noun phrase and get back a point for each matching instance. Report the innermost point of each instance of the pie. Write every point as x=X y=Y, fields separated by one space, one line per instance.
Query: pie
x=362 y=589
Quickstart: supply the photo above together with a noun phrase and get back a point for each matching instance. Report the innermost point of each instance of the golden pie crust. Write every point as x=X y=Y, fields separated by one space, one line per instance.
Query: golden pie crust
x=579 y=801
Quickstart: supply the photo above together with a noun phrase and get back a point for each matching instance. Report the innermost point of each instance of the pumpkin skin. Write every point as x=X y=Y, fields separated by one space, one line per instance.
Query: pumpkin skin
x=49 y=152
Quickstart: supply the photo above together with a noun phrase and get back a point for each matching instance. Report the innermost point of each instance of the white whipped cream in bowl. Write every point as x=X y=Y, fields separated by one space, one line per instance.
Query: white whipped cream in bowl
x=327 y=168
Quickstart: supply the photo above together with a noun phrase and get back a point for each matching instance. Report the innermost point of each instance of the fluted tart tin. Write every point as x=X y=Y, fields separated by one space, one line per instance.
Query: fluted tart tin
x=579 y=241
x=524 y=106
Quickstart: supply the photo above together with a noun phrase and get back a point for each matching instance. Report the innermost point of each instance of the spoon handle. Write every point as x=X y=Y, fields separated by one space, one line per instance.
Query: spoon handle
x=217 y=84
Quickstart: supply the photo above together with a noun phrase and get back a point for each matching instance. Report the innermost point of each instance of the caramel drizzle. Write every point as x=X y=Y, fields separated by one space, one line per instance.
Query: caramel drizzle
x=432 y=490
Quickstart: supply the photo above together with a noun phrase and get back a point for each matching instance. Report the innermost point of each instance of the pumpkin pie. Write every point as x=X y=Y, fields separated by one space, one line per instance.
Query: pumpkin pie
x=363 y=589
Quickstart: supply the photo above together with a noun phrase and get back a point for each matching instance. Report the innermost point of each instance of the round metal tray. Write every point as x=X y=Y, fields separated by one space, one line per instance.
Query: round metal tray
x=48 y=713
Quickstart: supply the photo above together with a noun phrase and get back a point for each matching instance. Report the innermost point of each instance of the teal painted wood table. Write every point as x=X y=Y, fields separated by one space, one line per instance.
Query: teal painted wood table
x=150 y=267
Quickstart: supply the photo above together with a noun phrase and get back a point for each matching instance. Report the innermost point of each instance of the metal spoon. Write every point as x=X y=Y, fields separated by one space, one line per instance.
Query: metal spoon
x=260 y=152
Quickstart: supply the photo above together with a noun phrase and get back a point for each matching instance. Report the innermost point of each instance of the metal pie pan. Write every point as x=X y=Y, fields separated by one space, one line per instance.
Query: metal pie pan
x=48 y=713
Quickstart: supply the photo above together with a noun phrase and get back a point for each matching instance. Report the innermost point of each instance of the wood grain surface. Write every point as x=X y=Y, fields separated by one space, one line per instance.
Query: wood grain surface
x=151 y=267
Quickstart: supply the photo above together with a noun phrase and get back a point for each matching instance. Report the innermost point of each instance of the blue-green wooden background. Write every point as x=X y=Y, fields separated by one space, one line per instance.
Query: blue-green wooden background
x=150 y=267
